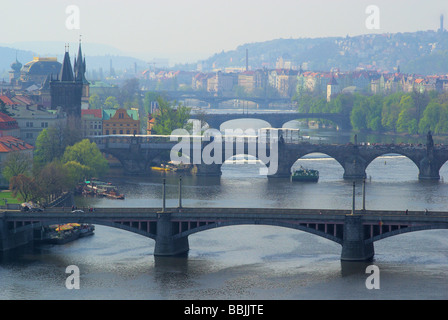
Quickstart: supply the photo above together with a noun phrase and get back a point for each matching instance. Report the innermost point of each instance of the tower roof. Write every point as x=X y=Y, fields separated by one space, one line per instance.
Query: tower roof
x=80 y=66
x=66 y=73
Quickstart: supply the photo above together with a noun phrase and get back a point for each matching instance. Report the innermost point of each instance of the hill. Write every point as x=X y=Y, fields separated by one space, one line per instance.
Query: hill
x=424 y=52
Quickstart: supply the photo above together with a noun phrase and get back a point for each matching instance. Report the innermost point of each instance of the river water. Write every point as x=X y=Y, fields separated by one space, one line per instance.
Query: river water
x=247 y=262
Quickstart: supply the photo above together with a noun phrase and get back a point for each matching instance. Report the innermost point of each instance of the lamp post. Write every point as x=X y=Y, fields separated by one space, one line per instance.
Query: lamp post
x=180 y=192
x=364 y=195
x=353 y=199
x=163 y=196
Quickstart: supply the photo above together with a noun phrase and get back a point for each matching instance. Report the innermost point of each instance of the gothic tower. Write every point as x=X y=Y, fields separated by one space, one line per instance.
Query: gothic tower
x=66 y=90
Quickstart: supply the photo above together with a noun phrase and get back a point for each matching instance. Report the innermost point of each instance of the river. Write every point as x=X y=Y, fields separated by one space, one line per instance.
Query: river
x=247 y=262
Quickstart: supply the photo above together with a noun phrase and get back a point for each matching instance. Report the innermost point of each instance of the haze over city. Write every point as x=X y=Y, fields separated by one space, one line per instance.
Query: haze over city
x=187 y=31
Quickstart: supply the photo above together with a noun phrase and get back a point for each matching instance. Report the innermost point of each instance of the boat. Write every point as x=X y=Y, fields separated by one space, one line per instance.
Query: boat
x=101 y=189
x=86 y=230
x=305 y=175
x=161 y=168
x=62 y=234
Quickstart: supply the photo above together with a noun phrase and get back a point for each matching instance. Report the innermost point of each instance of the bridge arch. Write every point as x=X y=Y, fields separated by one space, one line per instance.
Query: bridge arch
x=330 y=233
x=143 y=229
x=407 y=229
x=319 y=156
x=386 y=160
x=243 y=123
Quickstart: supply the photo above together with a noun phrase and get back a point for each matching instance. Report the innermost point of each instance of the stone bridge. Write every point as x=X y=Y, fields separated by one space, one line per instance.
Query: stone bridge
x=137 y=153
x=170 y=228
x=214 y=100
x=276 y=120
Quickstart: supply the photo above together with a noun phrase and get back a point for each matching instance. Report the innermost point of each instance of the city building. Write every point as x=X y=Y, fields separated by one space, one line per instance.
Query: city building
x=121 y=121
x=32 y=119
x=92 y=122
x=8 y=126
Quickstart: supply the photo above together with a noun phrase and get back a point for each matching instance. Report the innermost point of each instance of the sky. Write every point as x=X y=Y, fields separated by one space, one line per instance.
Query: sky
x=191 y=30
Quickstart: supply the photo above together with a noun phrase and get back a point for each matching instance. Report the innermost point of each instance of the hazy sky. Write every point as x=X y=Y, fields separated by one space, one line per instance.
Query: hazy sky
x=186 y=30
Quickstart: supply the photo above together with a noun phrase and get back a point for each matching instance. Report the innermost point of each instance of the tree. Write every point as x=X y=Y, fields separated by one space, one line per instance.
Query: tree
x=407 y=118
x=95 y=101
x=169 y=118
x=52 y=180
x=77 y=172
x=49 y=146
x=24 y=186
x=16 y=163
x=87 y=153
x=111 y=103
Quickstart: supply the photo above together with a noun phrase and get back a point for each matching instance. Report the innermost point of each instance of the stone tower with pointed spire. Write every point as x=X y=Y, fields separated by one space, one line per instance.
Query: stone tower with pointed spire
x=66 y=90
x=79 y=69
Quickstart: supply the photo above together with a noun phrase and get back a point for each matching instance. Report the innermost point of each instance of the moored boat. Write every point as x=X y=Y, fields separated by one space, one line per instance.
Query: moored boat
x=306 y=175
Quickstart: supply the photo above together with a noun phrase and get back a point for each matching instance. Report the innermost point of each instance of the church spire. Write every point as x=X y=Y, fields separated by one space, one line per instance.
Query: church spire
x=66 y=73
x=80 y=65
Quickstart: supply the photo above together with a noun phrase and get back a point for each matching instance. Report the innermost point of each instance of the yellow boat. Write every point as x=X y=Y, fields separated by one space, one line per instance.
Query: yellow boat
x=160 y=169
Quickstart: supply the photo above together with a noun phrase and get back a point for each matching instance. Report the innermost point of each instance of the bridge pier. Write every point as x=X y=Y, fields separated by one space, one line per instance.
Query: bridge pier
x=209 y=170
x=166 y=244
x=428 y=170
x=354 y=246
x=9 y=240
x=355 y=168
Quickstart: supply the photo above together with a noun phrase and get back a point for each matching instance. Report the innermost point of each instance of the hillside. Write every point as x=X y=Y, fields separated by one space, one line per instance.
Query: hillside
x=424 y=52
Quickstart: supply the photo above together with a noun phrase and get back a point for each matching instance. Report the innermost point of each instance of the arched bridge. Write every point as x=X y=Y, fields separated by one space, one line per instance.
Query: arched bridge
x=214 y=100
x=136 y=153
x=275 y=119
x=170 y=229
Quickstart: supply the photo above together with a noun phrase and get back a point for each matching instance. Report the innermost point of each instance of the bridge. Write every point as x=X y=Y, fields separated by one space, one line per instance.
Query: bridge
x=276 y=120
x=214 y=100
x=137 y=153
x=356 y=232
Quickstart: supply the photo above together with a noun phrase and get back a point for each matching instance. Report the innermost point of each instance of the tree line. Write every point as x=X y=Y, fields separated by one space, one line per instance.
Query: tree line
x=402 y=112
x=61 y=160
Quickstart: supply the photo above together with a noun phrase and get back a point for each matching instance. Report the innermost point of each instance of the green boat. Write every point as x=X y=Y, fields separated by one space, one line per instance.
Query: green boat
x=305 y=175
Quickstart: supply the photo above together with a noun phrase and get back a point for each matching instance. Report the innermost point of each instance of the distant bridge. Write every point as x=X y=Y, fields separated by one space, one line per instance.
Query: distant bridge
x=214 y=100
x=170 y=228
x=275 y=119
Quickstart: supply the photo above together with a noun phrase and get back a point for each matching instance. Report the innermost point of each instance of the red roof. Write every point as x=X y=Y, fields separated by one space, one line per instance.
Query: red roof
x=9 y=143
x=6 y=122
x=7 y=100
x=97 y=113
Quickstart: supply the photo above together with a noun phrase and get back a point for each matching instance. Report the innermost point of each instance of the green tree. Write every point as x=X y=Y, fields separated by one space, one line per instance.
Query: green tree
x=111 y=103
x=407 y=118
x=95 y=102
x=169 y=118
x=77 y=172
x=49 y=146
x=87 y=153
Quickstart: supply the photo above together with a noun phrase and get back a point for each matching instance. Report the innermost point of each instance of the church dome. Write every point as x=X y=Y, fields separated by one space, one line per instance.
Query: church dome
x=16 y=66
x=42 y=66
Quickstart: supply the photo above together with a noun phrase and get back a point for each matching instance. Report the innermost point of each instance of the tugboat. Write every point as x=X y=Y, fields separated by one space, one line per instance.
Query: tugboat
x=306 y=175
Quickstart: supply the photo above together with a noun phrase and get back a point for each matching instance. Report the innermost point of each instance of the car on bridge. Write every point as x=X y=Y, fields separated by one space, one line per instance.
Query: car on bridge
x=77 y=211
